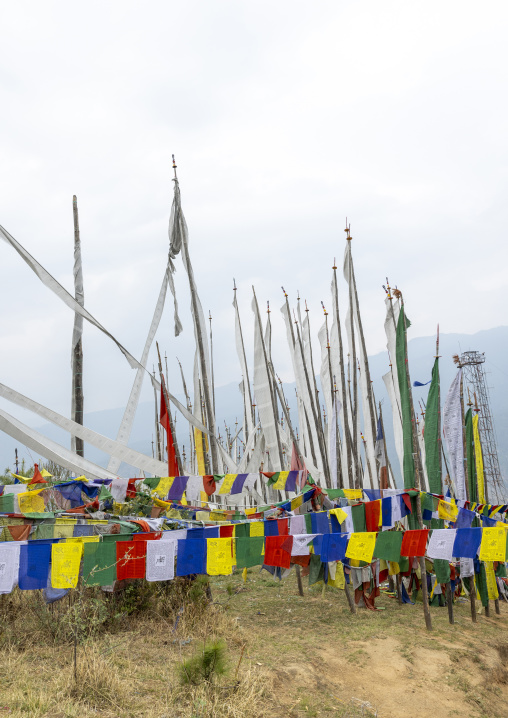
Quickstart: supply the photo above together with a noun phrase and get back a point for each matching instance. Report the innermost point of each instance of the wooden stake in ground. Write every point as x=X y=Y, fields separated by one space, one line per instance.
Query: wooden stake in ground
x=299 y=579
x=449 y=601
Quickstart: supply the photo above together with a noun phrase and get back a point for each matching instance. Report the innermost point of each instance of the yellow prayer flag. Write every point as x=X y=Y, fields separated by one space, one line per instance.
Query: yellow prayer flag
x=281 y=481
x=361 y=546
x=202 y=515
x=257 y=528
x=340 y=514
x=249 y=512
x=83 y=539
x=447 y=510
x=204 y=497
x=183 y=500
x=23 y=479
x=219 y=558
x=227 y=483
x=200 y=456
x=340 y=580
x=493 y=545
x=492 y=589
x=31 y=503
x=479 y=460
x=393 y=568
x=244 y=575
x=45 y=474
x=63 y=531
x=64 y=521
x=162 y=488
x=76 y=478
x=296 y=502
x=353 y=493
x=65 y=562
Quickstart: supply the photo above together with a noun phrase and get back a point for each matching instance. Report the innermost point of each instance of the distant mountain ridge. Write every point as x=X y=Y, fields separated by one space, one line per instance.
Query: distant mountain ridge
x=492 y=342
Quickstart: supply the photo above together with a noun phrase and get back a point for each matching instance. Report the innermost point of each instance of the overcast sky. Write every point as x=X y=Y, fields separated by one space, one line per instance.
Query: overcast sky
x=285 y=117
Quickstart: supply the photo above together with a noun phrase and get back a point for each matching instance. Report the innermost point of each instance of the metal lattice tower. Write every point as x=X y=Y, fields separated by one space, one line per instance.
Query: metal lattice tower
x=474 y=374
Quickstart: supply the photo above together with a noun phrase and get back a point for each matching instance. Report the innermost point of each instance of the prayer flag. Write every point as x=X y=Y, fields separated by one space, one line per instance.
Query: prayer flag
x=191 y=557
x=131 y=558
x=219 y=558
x=249 y=551
x=160 y=560
x=467 y=542
x=361 y=546
x=34 y=566
x=99 y=564
x=65 y=563
x=493 y=545
x=441 y=544
x=372 y=515
x=447 y=510
x=278 y=551
x=414 y=543
x=334 y=547
x=164 y=420
x=388 y=545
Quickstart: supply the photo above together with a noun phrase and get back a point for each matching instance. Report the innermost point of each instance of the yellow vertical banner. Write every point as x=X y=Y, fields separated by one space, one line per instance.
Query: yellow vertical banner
x=198 y=443
x=227 y=483
x=479 y=460
x=65 y=562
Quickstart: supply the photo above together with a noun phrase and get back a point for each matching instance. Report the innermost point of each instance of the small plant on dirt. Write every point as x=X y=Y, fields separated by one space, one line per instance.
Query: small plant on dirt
x=206 y=665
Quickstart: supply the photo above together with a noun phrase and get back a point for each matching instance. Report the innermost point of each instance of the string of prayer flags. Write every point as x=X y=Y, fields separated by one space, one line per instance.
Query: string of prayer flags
x=467 y=542
x=447 y=510
x=65 y=564
x=441 y=544
x=361 y=546
x=333 y=547
x=284 y=480
x=160 y=560
x=219 y=558
x=278 y=551
x=388 y=545
x=414 y=543
x=99 y=564
x=493 y=544
x=249 y=551
x=131 y=559
x=191 y=557
x=34 y=566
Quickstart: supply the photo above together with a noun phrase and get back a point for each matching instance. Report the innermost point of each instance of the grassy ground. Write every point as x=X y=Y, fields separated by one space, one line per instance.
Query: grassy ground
x=287 y=655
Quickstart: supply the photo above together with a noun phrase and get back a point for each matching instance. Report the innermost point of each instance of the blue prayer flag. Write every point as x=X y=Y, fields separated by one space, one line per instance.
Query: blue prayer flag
x=467 y=542
x=34 y=565
x=191 y=557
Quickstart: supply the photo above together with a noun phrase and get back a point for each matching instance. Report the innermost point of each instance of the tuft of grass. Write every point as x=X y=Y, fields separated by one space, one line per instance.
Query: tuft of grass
x=98 y=683
x=206 y=665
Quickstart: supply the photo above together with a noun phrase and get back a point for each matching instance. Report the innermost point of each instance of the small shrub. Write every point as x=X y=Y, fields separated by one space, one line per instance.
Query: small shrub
x=209 y=663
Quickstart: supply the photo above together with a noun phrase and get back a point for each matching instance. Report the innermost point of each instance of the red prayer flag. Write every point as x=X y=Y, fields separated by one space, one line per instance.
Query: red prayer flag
x=278 y=551
x=209 y=485
x=414 y=543
x=283 y=526
x=164 y=420
x=38 y=478
x=372 y=511
x=131 y=559
x=226 y=531
x=131 y=488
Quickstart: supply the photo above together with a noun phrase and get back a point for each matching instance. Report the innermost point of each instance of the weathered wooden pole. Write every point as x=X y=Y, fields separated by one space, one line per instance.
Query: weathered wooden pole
x=77 y=444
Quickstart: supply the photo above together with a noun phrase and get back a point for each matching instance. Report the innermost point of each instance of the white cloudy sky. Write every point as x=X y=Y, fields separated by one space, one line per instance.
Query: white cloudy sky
x=285 y=117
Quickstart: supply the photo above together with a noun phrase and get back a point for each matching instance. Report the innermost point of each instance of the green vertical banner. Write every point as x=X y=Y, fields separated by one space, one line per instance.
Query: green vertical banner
x=431 y=435
x=471 y=466
x=407 y=425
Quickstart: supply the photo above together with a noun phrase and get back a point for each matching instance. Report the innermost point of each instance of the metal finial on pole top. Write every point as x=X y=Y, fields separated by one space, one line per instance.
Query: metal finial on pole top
x=234 y=285
x=348 y=231
x=268 y=306
x=174 y=168
x=284 y=292
x=334 y=263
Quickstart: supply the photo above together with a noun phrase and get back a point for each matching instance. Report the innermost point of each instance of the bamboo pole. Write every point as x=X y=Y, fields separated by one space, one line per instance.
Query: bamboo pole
x=77 y=444
x=347 y=428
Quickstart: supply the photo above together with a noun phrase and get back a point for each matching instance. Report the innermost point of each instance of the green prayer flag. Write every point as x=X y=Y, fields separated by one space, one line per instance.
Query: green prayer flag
x=481 y=582
x=273 y=479
x=358 y=516
x=7 y=504
x=431 y=436
x=249 y=551
x=335 y=493
x=99 y=564
x=405 y=401
x=404 y=564
x=388 y=545
x=470 y=457
x=316 y=569
x=45 y=531
x=308 y=524
x=242 y=530
x=442 y=570
x=152 y=482
x=105 y=493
